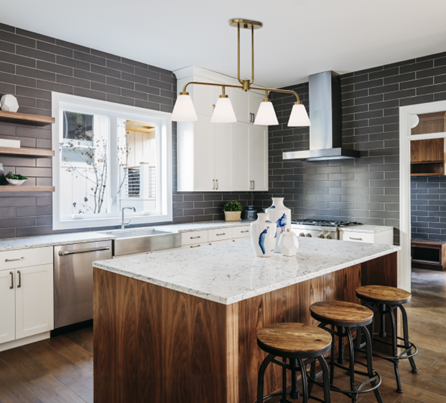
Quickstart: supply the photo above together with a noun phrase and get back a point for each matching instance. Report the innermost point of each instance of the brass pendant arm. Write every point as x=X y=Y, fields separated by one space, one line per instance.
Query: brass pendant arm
x=252 y=55
x=241 y=87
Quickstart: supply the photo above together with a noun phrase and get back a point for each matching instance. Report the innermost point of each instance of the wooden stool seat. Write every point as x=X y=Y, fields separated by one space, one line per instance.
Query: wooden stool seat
x=294 y=339
x=383 y=294
x=341 y=313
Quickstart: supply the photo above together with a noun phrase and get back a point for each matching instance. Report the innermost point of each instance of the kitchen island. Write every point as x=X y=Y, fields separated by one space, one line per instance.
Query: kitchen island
x=180 y=325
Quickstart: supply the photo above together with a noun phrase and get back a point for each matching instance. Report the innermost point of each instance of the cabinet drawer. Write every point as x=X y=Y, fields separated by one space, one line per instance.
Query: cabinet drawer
x=240 y=232
x=190 y=238
x=357 y=237
x=26 y=257
x=219 y=234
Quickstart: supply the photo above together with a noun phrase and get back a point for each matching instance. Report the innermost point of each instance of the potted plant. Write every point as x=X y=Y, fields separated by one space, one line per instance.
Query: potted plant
x=233 y=210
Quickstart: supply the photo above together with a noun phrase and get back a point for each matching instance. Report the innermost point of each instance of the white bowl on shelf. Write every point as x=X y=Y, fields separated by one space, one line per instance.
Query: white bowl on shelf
x=16 y=182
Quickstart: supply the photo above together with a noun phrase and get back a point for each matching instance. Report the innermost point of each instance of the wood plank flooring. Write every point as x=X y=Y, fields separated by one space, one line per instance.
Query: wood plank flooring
x=60 y=370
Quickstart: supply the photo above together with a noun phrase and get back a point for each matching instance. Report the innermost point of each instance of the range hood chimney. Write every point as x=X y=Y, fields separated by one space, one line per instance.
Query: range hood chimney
x=325 y=118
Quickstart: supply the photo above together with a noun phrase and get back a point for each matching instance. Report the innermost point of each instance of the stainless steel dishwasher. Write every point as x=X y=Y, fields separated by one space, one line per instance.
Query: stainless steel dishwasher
x=73 y=280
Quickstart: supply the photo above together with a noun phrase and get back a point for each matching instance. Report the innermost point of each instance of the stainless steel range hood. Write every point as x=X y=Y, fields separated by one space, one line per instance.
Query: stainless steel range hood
x=325 y=117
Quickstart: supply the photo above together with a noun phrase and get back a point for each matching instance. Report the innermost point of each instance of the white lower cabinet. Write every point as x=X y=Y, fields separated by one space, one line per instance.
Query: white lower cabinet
x=7 y=306
x=34 y=300
x=26 y=294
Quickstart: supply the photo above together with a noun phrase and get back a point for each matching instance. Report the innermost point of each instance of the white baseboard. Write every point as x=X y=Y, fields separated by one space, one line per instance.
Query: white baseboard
x=25 y=340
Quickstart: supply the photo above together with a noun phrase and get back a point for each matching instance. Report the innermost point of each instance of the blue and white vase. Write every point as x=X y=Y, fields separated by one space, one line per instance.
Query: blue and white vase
x=281 y=215
x=263 y=235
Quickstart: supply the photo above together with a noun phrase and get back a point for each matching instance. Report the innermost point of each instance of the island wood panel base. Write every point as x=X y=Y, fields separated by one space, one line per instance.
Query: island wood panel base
x=160 y=345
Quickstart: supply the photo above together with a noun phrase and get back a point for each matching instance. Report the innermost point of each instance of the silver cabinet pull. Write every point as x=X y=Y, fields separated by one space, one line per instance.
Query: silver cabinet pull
x=20 y=279
x=220 y=234
x=74 y=252
x=12 y=280
x=14 y=260
x=244 y=231
x=356 y=239
x=195 y=237
x=253 y=185
x=195 y=246
x=217 y=183
x=213 y=184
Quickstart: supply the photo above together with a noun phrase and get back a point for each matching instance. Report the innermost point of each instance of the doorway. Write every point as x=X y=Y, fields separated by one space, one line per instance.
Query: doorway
x=422 y=181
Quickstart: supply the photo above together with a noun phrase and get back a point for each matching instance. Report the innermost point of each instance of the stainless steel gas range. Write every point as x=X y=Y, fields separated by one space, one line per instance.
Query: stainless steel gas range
x=314 y=228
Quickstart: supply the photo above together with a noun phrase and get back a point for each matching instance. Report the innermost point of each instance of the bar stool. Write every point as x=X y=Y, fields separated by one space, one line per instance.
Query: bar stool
x=295 y=342
x=385 y=300
x=348 y=317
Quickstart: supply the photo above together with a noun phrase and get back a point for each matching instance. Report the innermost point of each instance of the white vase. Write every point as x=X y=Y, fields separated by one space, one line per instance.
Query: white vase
x=281 y=215
x=288 y=243
x=9 y=103
x=263 y=235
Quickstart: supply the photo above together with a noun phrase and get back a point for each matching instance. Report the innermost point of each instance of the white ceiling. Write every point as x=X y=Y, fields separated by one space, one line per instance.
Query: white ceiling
x=299 y=37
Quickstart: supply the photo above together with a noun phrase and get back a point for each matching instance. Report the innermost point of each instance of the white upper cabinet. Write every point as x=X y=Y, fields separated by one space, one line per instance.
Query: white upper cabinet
x=220 y=156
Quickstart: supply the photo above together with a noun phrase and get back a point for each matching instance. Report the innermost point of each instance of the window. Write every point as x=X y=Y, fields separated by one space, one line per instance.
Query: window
x=110 y=156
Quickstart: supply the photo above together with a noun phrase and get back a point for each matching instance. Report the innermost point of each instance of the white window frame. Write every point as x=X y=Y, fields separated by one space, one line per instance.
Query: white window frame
x=405 y=266
x=163 y=123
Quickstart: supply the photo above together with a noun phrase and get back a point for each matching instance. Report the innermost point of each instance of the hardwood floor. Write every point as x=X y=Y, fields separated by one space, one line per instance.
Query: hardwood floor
x=60 y=370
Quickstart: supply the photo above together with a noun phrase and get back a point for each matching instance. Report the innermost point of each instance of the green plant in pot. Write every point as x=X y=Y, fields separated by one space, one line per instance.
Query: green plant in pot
x=233 y=210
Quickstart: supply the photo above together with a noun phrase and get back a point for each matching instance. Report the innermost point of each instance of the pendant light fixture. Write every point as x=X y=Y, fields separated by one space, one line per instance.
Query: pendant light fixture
x=184 y=110
x=223 y=112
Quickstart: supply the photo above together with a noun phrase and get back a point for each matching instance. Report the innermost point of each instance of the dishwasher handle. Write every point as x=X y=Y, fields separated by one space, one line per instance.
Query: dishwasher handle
x=73 y=252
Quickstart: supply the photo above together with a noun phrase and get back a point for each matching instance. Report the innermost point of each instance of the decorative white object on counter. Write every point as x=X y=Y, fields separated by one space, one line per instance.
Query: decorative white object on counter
x=263 y=235
x=9 y=103
x=288 y=243
x=281 y=215
x=10 y=143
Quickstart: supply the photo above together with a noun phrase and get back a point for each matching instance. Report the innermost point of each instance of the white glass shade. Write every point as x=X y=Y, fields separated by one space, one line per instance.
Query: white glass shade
x=266 y=116
x=299 y=116
x=223 y=112
x=184 y=110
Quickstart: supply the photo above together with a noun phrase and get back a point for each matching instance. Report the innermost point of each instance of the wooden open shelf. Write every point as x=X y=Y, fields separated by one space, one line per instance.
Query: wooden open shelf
x=10 y=188
x=30 y=152
x=26 y=118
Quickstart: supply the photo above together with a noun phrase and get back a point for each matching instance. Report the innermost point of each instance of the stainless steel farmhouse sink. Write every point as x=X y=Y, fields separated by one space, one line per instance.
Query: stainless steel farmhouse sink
x=130 y=241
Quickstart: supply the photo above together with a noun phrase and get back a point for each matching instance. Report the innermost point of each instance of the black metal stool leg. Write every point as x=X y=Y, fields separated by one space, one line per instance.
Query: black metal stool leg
x=395 y=351
x=382 y=309
x=358 y=342
x=341 y=359
x=260 y=379
x=325 y=378
x=332 y=357
x=294 y=393
x=284 y=383
x=406 y=337
x=352 y=366
x=368 y=342
x=303 y=371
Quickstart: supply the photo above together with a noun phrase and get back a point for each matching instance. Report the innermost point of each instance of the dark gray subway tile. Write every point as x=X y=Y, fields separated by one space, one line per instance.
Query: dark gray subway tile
x=34 y=35
x=86 y=57
x=72 y=46
x=54 y=68
x=16 y=59
x=77 y=64
x=17 y=39
x=54 y=49
x=40 y=74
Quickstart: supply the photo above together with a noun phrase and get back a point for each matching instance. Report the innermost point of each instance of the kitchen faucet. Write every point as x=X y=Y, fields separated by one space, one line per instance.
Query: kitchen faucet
x=123 y=224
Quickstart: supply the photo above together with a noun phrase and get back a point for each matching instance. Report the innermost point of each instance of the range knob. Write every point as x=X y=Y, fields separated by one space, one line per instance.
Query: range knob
x=308 y=235
x=328 y=236
x=321 y=235
x=301 y=234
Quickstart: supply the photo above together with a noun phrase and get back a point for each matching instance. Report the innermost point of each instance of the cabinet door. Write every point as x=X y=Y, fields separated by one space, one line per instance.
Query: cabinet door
x=223 y=156
x=431 y=150
x=7 y=306
x=240 y=152
x=240 y=103
x=203 y=154
x=203 y=96
x=258 y=156
x=254 y=102
x=34 y=300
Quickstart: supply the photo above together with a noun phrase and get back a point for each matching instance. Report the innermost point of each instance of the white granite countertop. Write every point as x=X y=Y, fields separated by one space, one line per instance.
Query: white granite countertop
x=200 y=226
x=370 y=229
x=229 y=272
x=51 y=240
